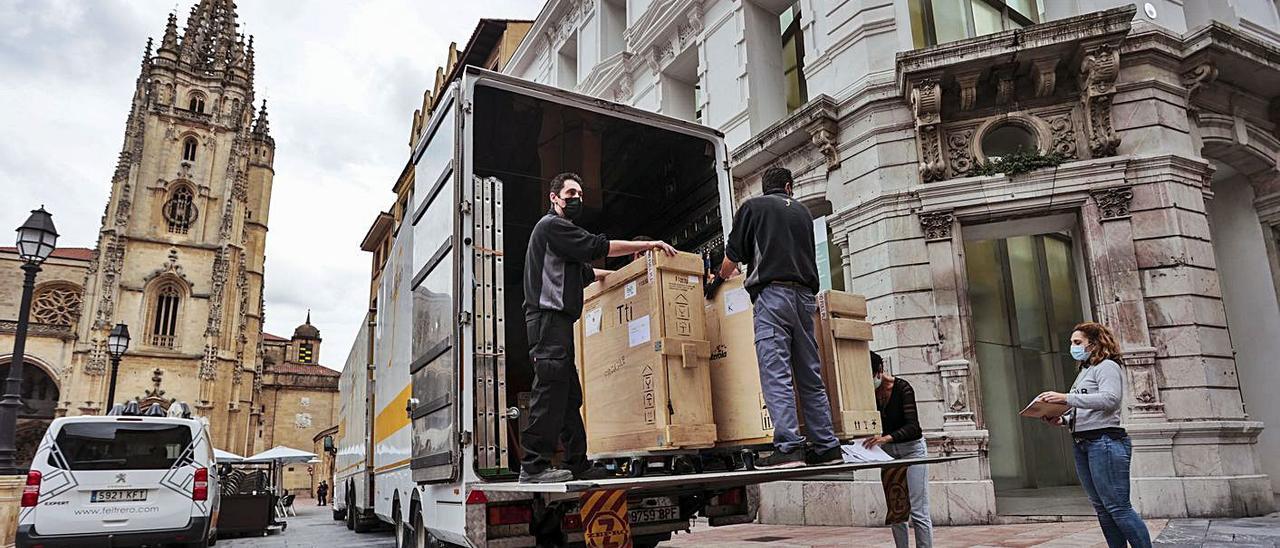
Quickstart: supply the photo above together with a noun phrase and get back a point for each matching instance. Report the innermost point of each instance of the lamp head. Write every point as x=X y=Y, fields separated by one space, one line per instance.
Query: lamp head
x=118 y=340
x=37 y=237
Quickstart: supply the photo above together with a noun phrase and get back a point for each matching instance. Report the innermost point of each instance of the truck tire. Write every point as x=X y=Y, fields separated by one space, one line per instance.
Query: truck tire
x=351 y=513
x=339 y=515
x=363 y=524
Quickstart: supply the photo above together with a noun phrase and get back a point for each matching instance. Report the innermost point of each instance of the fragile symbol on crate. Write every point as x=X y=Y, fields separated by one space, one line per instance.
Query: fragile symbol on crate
x=684 y=328
x=682 y=307
x=646 y=380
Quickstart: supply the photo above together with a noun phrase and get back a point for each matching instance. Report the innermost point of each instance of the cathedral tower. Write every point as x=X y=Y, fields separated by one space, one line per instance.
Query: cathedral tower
x=181 y=249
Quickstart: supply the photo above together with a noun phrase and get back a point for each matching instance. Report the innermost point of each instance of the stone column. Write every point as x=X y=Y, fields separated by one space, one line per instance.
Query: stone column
x=953 y=367
x=10 y=495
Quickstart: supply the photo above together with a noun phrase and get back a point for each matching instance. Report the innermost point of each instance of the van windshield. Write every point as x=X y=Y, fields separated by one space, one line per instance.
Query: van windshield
x=120 y=446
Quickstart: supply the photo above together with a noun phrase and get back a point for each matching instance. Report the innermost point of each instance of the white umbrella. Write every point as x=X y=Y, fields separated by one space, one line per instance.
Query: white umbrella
x=282 y=455
x=221 y=456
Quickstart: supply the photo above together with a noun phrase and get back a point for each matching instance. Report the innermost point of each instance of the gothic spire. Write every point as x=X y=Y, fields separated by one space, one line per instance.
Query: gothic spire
x=262 y=128
x=170 y=40
x=146 y=54
x=210 y=37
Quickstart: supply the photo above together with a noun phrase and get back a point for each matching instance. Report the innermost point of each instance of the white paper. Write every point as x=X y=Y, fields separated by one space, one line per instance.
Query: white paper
x=593 y=321
x=854 y=452
x=630 y=290
x=736 y=300
x=638 y=331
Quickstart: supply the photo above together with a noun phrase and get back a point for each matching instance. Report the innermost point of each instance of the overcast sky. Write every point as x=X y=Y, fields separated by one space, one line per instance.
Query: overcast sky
x=342 y=79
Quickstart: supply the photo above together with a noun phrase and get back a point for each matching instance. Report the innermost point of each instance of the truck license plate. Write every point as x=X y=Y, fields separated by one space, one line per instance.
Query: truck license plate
x=653 y=514
x=119 y=495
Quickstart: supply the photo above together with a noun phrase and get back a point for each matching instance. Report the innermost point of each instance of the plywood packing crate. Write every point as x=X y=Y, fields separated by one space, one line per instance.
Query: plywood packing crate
x=843 y=335
x=644 y=356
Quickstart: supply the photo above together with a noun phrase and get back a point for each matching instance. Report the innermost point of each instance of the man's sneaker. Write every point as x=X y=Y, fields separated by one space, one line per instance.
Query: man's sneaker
x=778 y=459
x=550 y=475
x=822 y=458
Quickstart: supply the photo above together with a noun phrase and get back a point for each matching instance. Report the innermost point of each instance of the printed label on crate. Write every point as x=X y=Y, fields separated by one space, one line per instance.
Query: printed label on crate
x=629 y=290
x=736 y=300
x=592 y=319
x=638 y=331
x=695 y=280
x=650 y=404
x=766 y=422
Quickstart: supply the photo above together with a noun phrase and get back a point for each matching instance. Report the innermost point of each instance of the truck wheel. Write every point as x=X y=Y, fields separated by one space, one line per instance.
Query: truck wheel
x=339 y=515
x=351 y=514
x=363 y=524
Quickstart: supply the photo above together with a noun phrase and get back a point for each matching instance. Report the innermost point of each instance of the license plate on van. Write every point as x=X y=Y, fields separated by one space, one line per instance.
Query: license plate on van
x=653 y=514
x=119 y=495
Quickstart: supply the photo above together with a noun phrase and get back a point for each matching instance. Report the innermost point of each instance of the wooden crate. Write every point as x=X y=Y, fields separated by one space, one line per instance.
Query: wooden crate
x=738 y=402
x=843 y=342
x=644 y=356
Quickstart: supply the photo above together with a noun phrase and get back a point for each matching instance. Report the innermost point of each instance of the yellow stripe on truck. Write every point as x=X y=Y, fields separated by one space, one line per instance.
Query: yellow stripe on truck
x=393 y=417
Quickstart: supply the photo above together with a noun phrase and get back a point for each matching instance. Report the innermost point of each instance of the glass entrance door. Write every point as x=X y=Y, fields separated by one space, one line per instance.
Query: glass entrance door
x=1025 y=299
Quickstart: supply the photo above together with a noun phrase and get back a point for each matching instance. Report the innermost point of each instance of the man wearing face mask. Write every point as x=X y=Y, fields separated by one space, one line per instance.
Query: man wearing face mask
x=557 y=267
x=773 y=233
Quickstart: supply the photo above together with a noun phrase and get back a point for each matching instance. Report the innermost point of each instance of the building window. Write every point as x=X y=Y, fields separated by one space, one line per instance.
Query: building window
x=793 y=58
x=189 y=149
x=56 y=304
x=1007 y=139
x=613 y=23
x=164 y=316
x=940 y=21
x=196 y=103
x=680 y=90
x=306 y=353
x=180 y=211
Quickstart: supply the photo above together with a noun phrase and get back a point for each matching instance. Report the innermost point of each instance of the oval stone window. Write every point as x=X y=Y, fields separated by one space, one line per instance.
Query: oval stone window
x=1007 y=139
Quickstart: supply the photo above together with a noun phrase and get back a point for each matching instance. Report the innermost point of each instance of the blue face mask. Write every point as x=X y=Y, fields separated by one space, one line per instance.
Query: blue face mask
x=1079 y=353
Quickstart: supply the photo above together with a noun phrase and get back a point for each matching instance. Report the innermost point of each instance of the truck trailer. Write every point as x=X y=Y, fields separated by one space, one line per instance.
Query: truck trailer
x=432 y=390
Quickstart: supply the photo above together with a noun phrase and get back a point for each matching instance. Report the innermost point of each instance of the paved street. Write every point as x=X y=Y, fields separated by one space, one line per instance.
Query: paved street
x=313 y=527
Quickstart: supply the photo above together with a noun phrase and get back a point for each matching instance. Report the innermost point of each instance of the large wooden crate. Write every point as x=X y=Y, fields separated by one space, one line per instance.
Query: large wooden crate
x=842 y=333
x=644 y=357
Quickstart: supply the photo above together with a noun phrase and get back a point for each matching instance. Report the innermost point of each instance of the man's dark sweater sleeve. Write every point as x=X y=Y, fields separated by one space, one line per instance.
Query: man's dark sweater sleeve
x=738 y=248
x=574 y=243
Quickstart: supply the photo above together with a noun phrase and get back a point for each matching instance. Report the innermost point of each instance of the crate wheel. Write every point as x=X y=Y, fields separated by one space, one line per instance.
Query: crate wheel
x=636 y=467
x=748 y=459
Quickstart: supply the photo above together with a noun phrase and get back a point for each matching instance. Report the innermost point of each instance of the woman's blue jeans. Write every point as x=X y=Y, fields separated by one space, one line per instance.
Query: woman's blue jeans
x=1103 y=467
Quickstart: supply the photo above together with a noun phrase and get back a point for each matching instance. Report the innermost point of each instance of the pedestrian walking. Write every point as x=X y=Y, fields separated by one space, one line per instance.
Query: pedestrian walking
x=1103 y=450
x=773 y=234
x=557 y=268
x=322 y=492
x=902 y=438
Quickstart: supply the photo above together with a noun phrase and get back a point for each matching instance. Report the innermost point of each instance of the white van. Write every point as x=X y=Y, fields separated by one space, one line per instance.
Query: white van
x=121 y=481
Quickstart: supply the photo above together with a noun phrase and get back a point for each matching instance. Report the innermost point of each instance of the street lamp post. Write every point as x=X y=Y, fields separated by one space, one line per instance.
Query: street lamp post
x=117 y=344
x=36 y=239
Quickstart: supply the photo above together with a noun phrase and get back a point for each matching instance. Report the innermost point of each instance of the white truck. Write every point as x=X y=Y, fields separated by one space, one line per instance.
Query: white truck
x=432 y=390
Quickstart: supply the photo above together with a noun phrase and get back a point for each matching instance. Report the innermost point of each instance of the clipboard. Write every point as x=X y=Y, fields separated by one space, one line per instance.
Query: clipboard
x=1039 y=409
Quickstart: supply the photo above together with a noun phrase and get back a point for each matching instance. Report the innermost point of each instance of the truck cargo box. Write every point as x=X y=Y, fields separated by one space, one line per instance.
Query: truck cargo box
x=645 y=377
x=842 y=332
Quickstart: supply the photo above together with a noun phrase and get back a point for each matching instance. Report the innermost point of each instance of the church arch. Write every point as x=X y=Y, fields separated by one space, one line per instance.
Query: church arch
x=195 y=102
x=180 y=211
x=189 y=147
x=165 y=300
x=40 y=395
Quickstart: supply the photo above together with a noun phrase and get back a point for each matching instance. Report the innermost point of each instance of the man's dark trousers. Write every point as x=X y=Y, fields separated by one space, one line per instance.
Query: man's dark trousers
x=556 y=399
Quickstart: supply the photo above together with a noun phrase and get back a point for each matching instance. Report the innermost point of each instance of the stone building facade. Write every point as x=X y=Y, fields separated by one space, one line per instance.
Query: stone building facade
x=299 y=399
x=55 y=311
x=180 y=252
x=992 y=173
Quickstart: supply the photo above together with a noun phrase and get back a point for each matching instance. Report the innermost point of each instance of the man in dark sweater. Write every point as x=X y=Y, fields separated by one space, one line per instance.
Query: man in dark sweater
x=557 y=267
x=773 y=234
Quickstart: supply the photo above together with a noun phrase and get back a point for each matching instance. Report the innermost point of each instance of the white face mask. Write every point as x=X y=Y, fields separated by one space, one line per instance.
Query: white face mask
x=879 y=381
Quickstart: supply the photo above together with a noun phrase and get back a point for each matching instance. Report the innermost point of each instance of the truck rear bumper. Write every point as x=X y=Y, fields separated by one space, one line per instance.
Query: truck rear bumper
x=196 y=529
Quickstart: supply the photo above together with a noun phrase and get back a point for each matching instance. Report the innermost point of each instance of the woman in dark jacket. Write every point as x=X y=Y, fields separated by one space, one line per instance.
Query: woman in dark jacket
x=903 y=439
x=1102 y=447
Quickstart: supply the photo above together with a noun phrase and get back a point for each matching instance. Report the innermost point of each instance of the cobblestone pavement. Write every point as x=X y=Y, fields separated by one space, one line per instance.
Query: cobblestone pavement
x=1212 y=533
x=314 y=526
x=1076 y=534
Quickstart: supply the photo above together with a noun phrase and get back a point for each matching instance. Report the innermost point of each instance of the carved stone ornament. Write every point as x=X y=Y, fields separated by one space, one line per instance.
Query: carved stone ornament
x=824 y=136
x=1144 y=386
x=1005 y=90
x=1113 y=203
x=1064 y=135
x=1198 y=77
x=926 y=105
x=960 y=150
x=209 y=363
x=622 y=93
x=1098 y=73
x=968 y=83
x=937 y=225
x=958 y=413
x=1044 y=76
x=97 y=362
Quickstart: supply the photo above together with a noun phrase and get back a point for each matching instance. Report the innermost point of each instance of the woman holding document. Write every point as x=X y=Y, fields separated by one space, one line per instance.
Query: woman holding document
x=1102 y=447
x=903 y=440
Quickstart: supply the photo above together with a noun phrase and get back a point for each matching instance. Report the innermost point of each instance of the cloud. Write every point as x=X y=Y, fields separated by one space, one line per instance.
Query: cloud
x=342 y=79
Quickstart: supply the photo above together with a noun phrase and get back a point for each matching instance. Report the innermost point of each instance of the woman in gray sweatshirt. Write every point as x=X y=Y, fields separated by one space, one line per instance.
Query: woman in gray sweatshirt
x=1102 y=448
